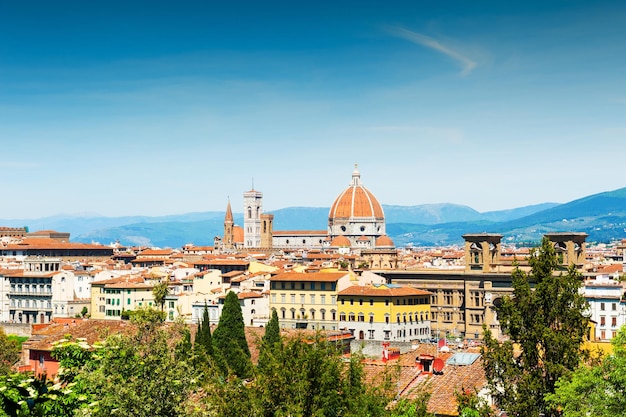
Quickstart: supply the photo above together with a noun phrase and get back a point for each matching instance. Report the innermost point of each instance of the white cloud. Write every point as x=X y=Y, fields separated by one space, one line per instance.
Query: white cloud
x=467 y=64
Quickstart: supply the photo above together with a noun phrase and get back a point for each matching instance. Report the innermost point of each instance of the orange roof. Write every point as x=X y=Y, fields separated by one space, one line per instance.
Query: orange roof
x=382 y=291
x=156 y=252
x=47 y=243
x=384 y=241
x=340 y=241
x=356 y=201
x=309 y=277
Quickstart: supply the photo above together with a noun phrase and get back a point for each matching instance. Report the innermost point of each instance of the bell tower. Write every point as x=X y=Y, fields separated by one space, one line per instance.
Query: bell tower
x=252 y=211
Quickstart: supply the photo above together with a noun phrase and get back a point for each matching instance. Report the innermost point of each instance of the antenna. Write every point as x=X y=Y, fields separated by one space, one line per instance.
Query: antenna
x=252 y=183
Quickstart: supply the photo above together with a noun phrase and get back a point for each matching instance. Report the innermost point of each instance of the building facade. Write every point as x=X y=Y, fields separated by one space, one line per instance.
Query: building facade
x=385 y=312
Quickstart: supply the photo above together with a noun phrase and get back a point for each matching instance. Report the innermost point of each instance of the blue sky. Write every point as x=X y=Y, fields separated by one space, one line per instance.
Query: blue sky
x=153 y=108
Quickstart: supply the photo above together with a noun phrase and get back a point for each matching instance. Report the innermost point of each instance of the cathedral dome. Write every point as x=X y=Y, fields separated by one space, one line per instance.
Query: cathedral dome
x=356 y=202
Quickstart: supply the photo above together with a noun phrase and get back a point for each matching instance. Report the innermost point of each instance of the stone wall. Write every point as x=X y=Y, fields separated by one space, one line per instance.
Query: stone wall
x=19 y=329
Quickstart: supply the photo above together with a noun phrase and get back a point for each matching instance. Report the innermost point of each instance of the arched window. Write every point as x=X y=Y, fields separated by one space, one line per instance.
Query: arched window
x=351 y=317
x=342 y=316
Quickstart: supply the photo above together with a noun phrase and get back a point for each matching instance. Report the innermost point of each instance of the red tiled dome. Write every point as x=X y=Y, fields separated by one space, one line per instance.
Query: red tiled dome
x=340 y=241
x=356 y=201
x=384 y=241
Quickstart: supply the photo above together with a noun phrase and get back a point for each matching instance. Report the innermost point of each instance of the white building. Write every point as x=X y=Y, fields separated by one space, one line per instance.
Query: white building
x=606 y=305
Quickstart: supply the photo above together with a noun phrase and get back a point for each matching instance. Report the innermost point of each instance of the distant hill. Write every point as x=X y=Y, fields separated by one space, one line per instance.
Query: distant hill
x=602 y=216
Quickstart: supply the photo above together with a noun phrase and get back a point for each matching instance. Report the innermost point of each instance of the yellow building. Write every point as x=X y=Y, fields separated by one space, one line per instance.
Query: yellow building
x=385 y=312
x=308 y=300
x=112 y=296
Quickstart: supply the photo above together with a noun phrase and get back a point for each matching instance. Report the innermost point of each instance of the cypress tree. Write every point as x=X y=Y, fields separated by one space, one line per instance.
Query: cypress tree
x=203 y=335
x=229 y=338
x=272 y=331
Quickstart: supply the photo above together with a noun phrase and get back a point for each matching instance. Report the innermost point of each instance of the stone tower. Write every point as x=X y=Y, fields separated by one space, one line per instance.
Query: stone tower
x=252 y=210
x=229 y=234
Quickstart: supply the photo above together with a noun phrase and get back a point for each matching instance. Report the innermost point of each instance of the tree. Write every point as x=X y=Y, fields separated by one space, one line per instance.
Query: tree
x=272 y=330
x=160 y=291
x=595 y=390
x=84 y=311
x=10 y=352
x=469 y=404
x=139 y=373
x=545 y=325
x=310 y=378
x=229 y=338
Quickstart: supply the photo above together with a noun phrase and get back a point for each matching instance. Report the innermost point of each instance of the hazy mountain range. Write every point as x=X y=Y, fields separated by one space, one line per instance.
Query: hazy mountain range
x=602 y=216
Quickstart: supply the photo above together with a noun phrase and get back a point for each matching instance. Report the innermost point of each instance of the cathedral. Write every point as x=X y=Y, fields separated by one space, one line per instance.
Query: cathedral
x=356 y=222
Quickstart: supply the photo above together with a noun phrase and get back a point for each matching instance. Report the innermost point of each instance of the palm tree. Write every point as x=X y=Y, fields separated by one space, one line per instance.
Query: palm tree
x=160 y=291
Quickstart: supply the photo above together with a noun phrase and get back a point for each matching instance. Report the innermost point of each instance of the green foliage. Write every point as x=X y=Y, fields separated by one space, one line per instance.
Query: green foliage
x=547 y=324
x=203 y=338
x=146 y=317
x=229 y=339
x=84 y=311
x=272 y=330
x=160 y=291
x=310 y=378
x=469 y=404
x=10 y=352
x=27 y=395
x=139 y=375
x=417 y=407
x=72 y=355
x=596 y=390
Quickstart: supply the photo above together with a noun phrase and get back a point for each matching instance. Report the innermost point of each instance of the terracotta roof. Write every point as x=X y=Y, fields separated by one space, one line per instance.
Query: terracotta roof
x=47 y=243
x=356 y=201
x=92 y=330
x=221 y=262
x=156 y=252
x=384 y=241
x=309 y=277
x=340 y=241
x=382 y=291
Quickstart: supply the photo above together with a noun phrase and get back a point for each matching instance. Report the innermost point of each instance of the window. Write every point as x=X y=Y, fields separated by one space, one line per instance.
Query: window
x=323 y=286
x=293 y=298
x=371 y=302
x=371 y=317
x=273 y=298
x=601 y=306
x=602 y=321
x=361 y=317
x=322 y=299
x=351 y=317
x=302 y=299
x=613 y=306
x=128 y=301
x=613 y=321
x=342 y=316
x=312 y=298
x=282 y=298
x=333 y=299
